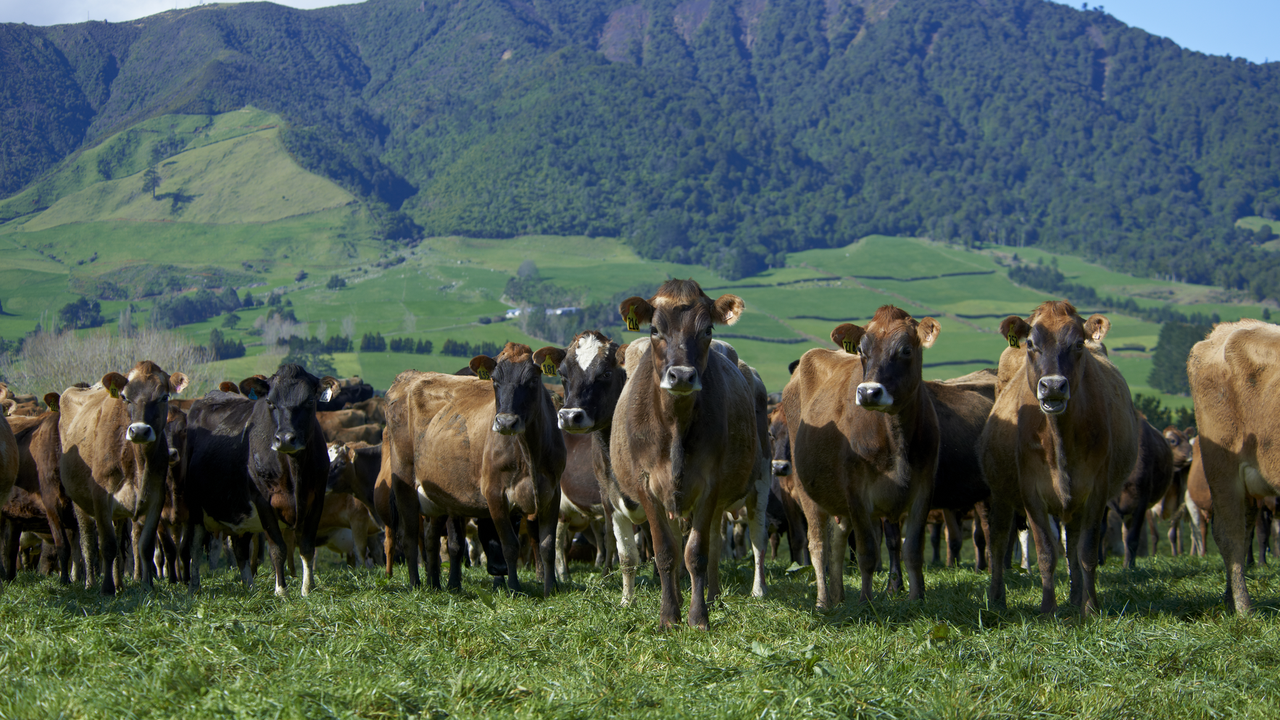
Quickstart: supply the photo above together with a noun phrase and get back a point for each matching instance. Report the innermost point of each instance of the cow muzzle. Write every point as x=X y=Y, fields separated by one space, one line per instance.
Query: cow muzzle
x=508 y=424
x=782 y=468
x=288 y=443
x=140 y=433
x=173 y=456
x=574 y=420
x=681 y=380
x=1053 y=392
x=873 y=396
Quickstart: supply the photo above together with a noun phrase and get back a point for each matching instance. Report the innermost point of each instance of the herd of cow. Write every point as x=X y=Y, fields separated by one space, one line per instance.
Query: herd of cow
x=670 y=435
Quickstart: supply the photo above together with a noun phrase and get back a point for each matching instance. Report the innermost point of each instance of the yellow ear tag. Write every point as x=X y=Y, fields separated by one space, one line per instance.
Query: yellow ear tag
x=548 y=367
x=482 y=373
x=1013 y=340
x=633 y=323
x=848 y=346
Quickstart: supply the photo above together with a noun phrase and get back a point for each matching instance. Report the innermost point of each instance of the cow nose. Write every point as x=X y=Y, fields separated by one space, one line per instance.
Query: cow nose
x=507 y=423
x=173 y=456
x=140 y=433
x=681 y=380
x=1053 y=386
x=873 y=395
x=287 y=442
x=781 y=468
x=572 y=419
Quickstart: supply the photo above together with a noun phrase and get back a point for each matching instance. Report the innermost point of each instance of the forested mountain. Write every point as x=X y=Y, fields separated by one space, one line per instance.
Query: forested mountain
x=718 y=132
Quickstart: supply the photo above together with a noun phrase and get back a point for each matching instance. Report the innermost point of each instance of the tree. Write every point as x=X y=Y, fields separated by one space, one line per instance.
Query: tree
x=1169 y=362
x=83 y=313
x=151 y=181
x=528 y=269
x=335 y=282
x=230 y=320
x=302 y=275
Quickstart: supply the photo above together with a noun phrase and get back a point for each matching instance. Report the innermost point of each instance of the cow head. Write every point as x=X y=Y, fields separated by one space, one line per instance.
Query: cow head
x=176 y=428
x=1180 y=445
x=290 y=396
x=1055 y=337
x=891 y=348
x=517 y=384
x=680 y=317
x=591 y=369
x=145 y=394
x=781 y=442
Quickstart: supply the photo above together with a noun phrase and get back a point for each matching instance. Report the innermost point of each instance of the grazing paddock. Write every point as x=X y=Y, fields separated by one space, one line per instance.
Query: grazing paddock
x=361 y=646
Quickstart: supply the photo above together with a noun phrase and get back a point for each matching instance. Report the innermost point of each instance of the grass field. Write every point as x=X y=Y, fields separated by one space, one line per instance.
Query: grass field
x=365 y=647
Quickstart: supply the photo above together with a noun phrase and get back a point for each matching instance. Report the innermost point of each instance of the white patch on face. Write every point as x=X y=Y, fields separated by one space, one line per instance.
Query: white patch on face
x=133 y=374
x=333 y=453
x=589 y=347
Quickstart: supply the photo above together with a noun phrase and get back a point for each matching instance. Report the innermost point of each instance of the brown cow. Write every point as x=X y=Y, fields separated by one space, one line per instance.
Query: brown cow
x=687 y=440
x=115 y=454
x=1145 y=486
x=40 y=450
x=1061 y=440
x=1172 y=505
x=864 y=438
x=1234 y=387
x=474 y=448
x=1199 y=502
x=8 y=459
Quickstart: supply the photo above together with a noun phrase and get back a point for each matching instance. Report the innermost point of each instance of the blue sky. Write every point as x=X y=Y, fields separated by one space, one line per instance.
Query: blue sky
x=1240 y=28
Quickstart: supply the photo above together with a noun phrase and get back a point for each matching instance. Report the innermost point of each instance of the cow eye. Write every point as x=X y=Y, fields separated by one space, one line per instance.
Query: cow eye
x=1030 y=345
x=1080 y=344
x=271 y=405
x=607 y=375
x=165 y=398
x=653 y=332
x=905 y=353
x=707 y=332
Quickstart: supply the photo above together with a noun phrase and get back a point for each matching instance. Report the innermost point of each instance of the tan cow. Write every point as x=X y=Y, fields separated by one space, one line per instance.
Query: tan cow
x=865 y=439
x=1061 y=440
x=686 y=440
x=1234 y=385
x=484 y=446
x=1199 y=502
x=115 y=455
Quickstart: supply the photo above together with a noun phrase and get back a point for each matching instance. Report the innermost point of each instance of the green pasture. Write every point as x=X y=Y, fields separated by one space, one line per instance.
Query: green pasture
x=363 y=646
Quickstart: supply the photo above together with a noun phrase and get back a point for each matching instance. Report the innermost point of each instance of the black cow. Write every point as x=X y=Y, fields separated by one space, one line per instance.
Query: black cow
x=256 y=459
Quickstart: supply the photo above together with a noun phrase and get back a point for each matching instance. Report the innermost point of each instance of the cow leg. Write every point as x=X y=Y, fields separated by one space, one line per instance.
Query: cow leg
x=1132 y=537
x=1231 y=509
x=191 y=545
x=757 y=515
x=243 y=550
x=107 y=544
x=624 y=531
x=562 y=549
x=868 y=549
x=666 y=546
x=698 y=555
x=893 y=543
x=935 y=542
x=913 y=541
x=1045 y=535
x=501 y=515
x=546 y=527
x=431 y=549
x=713 y=567
x=410 y=517
x=10 y=533
x=1262 y=530
x=278 y=547
x=170 y=550
x=819 y=535
x=951 y=523
x=999 y=534
x=456 y=542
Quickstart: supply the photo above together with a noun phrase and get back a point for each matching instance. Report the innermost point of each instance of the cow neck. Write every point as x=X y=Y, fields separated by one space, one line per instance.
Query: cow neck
x=677 y=415
x=904 y=428
x=1069 y=433
x=144 y=462
x=532 y=440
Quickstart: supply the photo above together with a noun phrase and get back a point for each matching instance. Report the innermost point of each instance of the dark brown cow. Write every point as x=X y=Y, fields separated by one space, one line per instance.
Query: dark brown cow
x=581 y=506
x=9 y=460
x=477 y=447
x=1235 y=385
x=1144 y=487
x=253 y=461
x=115 y=455
x=788 y=489
x=864 y=438
x=1061 y=440
x=687 y=440
x=592 y=371
x=40 y=450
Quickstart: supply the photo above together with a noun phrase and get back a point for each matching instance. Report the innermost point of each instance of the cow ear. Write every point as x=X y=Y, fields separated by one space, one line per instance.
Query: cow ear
x=6 y=407
x=549 y=359
x=482 y=366
x=927 y=331
x=178 y=382
x=727 y=310
x=227 y=386
x=636 y=311
x=791 y=369
x=620 y=355
x=114 y=382
x=52 y=399
x=1015 y=330
x=328 y=388
x=1097 y=327
x=848 y=336
x=254 y=387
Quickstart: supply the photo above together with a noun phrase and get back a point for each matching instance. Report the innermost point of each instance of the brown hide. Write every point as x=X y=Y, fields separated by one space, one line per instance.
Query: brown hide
x=374 y=410
x=344 y=511
x=1235 y=381
x=8 y=458
x=1199 y=501
x=685 y=441
x=1067 y=464
x=332 y=422
x=106 y=473
x=1151 y=477
x=863 y=464
x=39 y=451
x=444 y=438
x=360 y=434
